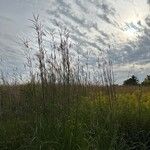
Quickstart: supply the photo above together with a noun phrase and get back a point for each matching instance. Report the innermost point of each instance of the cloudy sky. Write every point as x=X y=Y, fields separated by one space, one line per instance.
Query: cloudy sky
x=120 y=27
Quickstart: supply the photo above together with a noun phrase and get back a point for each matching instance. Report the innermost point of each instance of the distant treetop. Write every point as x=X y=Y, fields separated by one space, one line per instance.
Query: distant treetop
x=133 y=80
x=146 y=81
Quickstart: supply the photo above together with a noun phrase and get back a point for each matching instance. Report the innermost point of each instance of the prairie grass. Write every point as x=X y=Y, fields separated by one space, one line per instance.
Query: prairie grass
x=89 y=123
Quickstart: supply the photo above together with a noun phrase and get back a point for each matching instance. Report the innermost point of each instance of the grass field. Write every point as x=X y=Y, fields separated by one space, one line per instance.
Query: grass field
x=74 y=117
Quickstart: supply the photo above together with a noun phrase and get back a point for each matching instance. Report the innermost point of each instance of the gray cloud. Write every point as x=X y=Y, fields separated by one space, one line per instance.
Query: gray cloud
x=147 y=20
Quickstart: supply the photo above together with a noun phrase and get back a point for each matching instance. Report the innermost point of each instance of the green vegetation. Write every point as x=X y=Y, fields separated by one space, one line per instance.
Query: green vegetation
x=146 y=81
x=85 y=121
x=131 y=81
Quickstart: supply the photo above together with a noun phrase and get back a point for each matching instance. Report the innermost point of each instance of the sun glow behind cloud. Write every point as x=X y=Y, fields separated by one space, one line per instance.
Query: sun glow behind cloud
x=131 y=32
x=131 y=16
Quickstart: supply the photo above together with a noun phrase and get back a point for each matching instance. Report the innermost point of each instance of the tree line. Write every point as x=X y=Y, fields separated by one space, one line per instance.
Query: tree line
x=133 y=80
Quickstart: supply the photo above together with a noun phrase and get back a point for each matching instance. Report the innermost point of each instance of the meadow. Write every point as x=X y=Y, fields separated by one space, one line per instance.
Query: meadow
x=75 y=117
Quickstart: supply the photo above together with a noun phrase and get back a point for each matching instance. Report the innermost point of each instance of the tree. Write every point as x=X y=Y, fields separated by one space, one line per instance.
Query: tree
x=146 y=81
x=131 y=81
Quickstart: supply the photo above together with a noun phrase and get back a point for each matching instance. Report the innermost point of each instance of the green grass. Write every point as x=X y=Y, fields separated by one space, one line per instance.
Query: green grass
x=85 y=122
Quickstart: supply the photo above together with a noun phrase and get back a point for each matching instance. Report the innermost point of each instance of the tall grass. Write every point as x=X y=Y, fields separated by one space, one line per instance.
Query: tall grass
x=60 y=109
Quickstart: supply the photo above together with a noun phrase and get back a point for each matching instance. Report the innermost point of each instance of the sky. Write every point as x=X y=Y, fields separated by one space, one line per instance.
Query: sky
x=121 y=28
